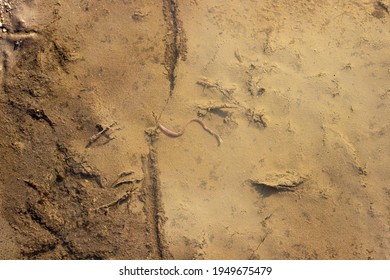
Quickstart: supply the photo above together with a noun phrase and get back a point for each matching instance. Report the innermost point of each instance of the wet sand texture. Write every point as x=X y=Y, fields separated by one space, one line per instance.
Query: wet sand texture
x=298 y=91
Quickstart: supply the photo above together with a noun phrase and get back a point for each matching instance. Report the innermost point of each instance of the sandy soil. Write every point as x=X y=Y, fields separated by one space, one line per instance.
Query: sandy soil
x=298 y=91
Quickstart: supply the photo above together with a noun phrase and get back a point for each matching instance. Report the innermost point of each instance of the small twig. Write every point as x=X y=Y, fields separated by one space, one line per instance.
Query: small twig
x=123 y=174
x=131 y=181
x=102 y=132
x=15 y=37
x=117 y=202
x=206 y=83
x=125 y=182
x=216 y=107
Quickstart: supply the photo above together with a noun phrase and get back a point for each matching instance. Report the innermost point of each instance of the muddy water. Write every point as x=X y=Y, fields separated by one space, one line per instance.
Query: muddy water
x=320 y=89
x=294 y=89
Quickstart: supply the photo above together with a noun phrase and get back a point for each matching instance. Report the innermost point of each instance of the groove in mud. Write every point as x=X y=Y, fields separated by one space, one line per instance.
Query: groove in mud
x=174 y=49
x=4 y=68
x=175 y=41
x=153 y=208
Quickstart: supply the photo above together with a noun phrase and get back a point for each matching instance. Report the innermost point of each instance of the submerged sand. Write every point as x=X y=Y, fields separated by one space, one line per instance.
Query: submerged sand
x=298 y=91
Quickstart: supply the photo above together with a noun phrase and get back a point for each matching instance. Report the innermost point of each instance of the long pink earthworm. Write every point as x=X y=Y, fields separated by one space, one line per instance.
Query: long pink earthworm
x=171 y=133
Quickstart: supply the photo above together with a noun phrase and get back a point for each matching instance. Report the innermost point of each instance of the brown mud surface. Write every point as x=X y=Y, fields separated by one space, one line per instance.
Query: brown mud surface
x=298 y=90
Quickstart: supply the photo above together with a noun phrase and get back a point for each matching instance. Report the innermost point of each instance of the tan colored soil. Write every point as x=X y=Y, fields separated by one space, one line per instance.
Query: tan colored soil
x=298 y=90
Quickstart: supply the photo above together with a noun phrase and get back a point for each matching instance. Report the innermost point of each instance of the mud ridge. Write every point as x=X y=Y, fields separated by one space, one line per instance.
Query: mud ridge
x=175 y=41
x=153 y=208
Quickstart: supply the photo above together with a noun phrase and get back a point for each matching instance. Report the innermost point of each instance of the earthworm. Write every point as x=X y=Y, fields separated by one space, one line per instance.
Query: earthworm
x=171 y=133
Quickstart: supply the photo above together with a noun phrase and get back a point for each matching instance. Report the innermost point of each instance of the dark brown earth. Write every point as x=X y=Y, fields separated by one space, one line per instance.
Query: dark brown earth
x=298 y=90
x=56 y=205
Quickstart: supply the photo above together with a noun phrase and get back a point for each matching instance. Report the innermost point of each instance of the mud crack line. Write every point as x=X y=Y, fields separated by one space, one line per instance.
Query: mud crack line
x=174 y=40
